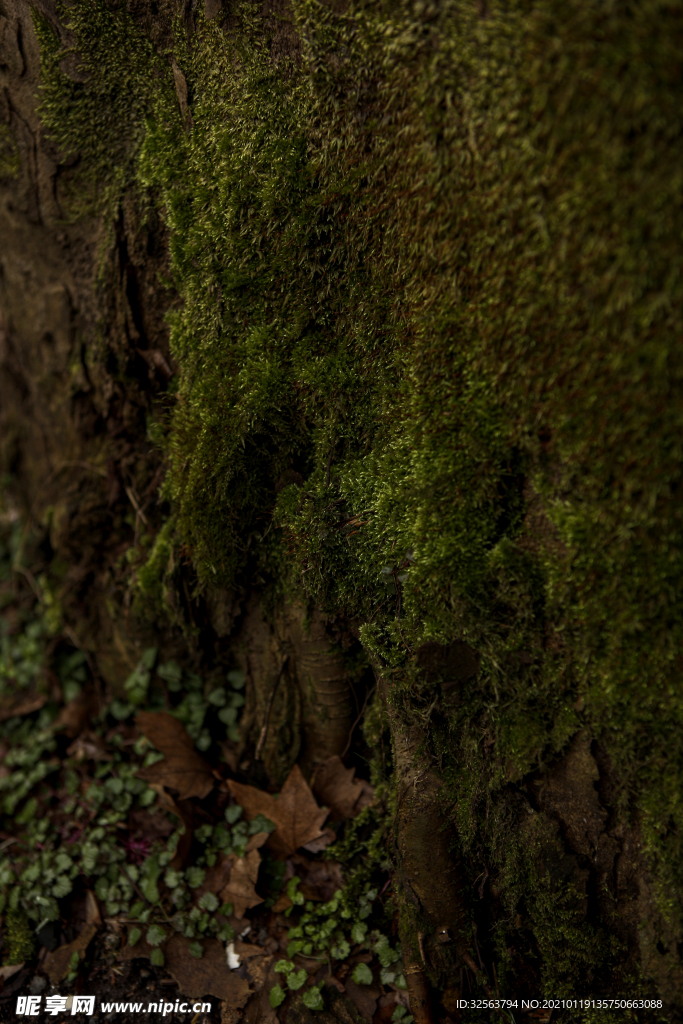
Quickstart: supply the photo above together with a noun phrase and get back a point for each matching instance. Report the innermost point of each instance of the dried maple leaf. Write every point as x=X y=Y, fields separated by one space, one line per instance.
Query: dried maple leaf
x=240 y=888
x=183 y=768
x=218 y=876
x=335 y=786
x=297 y=818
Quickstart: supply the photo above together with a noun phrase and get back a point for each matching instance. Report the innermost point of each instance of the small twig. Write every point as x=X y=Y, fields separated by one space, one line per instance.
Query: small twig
x=136 y=506
x=420 y=942
x=85 y=465
x=476 y=946
x=31 y=579
x=264 y=731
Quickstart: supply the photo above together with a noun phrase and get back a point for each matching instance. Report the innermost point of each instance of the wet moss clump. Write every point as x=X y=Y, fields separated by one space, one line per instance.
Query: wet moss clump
x=19 y=941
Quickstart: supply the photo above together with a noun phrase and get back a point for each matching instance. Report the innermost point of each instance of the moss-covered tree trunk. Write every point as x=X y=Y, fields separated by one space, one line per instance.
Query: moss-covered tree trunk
x=340 y=343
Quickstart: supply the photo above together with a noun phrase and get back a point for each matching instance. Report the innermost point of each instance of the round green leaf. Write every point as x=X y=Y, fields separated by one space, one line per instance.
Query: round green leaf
x=283 y=967
x=277 y=995
x=295 y=979
x=155 y=935
x=362 y=975
x=209 y=901
x=312 y=998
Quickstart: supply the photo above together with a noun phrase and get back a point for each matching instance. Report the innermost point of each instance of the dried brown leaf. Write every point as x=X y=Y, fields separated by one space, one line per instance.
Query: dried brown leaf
x=183 y=810
x=58 y=964
x=74 y=717
x=240 y=887
x=258 y=1010
x=283 y=902
x=322 y=879
x=296 y=815
x=140 y=949
x=7 y=972
x=335 y=786
x=326 y=837
x=208 y=976
x=92 y=909
x=363 y=997
x=22 y=703
x=182 y=769
x=256 y=841
x=216 y=877
x=247 y=951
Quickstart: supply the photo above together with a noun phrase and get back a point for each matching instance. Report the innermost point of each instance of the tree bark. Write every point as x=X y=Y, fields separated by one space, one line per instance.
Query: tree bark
x=84 y=365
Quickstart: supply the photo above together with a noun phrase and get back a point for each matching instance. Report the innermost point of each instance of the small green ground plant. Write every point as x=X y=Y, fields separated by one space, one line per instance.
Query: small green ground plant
x=69 y=804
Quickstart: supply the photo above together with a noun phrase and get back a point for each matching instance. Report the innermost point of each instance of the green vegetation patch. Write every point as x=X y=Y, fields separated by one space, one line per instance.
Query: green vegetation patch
x=430 y=374
x=97 y=78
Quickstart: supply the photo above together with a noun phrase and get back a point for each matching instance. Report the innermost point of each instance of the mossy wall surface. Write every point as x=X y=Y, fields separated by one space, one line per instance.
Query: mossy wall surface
x=429 y=257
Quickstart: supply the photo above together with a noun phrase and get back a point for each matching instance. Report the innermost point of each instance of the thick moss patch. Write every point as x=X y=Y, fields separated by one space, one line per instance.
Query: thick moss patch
x=429 y=363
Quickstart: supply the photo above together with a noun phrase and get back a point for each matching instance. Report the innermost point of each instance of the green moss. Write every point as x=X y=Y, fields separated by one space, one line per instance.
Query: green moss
x=18 y=938
x=545 y=907
x=430 y=360
x=96 y=115
x=153 y=592
x=249 y=256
